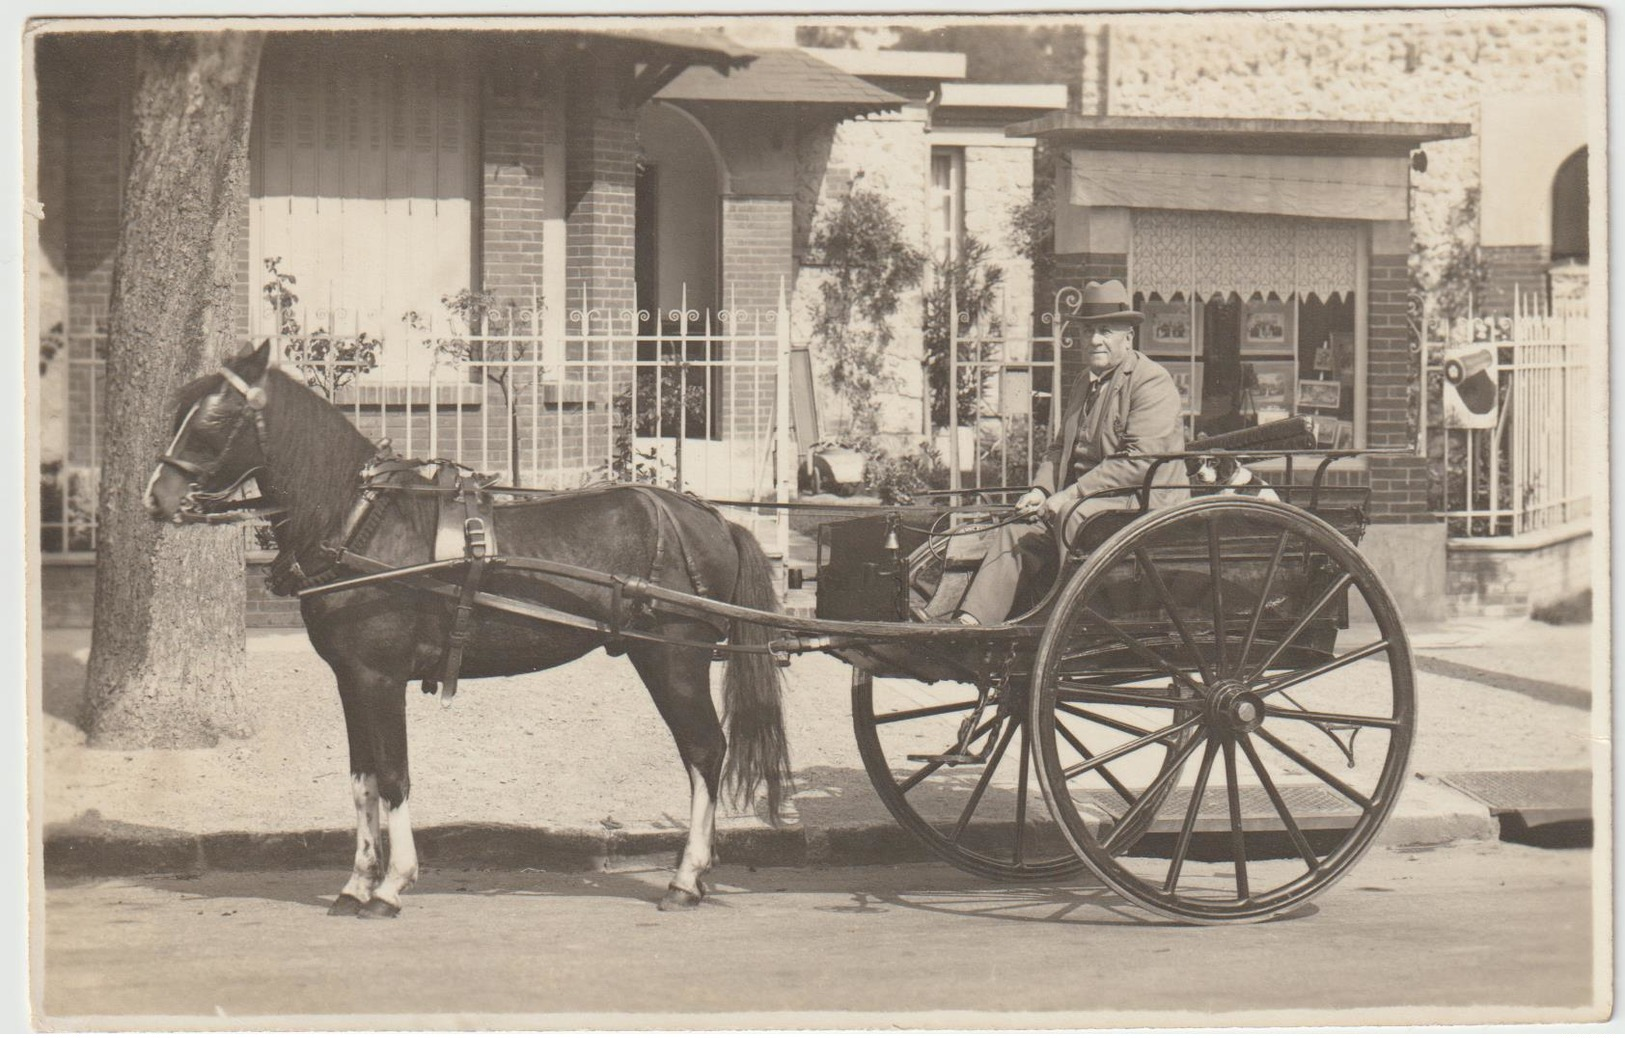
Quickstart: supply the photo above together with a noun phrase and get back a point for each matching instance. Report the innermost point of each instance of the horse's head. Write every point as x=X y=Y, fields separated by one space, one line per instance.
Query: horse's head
x=218 y=444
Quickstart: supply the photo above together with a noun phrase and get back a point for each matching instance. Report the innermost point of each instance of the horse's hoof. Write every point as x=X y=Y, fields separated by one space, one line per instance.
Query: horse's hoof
x=679 y=900
x=378 y=908
x=345 y=904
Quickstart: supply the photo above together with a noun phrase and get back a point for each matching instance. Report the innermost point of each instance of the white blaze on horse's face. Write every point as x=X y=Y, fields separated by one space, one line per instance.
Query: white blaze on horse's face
x=169 y=485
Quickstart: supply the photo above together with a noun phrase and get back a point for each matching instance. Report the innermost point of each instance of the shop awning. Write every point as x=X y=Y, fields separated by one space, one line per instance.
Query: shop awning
x=783 y=77
x=1329 y=169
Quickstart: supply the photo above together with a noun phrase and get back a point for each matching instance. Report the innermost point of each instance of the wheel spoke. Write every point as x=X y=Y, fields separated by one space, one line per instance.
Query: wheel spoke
x=1316 y=770
x=1152 y=795
x=1191 y=813
x=1107 y=694
x=1105 y=773
x=1238 y=838
x=1263 y=597
x=1325 y=599
x=1102 y=719
x=1150 y=571
x=1021 y=796
x=924 y=711
x=1216 y=575
x=1299 y=677
x=981 y=784
x=1321 y=717
x=1298 y=839
x=931 y=767
x=1144 y=652
x=1127 y=748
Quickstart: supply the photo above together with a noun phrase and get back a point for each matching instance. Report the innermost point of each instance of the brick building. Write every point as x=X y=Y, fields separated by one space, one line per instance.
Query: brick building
x=1310 y=175
x=619 y=212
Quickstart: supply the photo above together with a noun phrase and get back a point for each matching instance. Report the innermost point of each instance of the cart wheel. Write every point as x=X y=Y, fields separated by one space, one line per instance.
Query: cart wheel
x=986 y=818
x=1223 y=771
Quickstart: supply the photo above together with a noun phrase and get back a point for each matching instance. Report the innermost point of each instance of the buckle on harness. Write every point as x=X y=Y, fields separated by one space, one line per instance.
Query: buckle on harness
x=474 y=537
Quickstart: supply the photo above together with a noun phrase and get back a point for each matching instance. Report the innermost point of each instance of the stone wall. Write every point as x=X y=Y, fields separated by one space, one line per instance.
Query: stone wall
x=1485 y=578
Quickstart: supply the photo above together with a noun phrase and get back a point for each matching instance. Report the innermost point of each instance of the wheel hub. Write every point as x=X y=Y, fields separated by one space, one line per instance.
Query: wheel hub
x=1234 y=708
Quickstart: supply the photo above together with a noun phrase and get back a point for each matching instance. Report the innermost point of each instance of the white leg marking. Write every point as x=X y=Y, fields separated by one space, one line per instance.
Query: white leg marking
x=702 y=826
x=403 y=858
x=368 y=867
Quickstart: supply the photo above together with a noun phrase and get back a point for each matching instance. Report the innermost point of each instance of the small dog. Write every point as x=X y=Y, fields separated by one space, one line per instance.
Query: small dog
x=1235 y=478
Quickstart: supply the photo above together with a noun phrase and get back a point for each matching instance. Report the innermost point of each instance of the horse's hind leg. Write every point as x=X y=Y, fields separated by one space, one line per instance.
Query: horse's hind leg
x=679 y=682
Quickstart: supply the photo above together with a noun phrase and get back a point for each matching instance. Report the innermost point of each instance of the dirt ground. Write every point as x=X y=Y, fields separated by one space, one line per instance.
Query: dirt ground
x=582 y=746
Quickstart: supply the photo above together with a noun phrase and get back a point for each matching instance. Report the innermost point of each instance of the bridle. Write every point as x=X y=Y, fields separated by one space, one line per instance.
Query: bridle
x=203 y=506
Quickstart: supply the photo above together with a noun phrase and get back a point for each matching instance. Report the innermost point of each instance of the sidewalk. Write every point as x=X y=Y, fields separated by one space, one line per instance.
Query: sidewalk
x=572 y=768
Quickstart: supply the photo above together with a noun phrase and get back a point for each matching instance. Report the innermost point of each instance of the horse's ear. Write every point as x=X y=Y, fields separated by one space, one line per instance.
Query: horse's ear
x=258 y=360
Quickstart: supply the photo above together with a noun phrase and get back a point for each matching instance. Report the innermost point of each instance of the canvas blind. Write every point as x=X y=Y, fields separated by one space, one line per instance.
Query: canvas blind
x=364 y=181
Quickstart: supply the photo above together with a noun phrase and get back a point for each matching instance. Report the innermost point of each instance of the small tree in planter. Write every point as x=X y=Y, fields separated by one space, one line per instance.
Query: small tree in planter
x=868 y=264
x=328 y=361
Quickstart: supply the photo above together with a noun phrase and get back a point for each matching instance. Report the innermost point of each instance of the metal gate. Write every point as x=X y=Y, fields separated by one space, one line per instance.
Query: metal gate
x=1525 y=465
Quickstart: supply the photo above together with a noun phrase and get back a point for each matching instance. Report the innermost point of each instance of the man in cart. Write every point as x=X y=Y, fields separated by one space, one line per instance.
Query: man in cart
x=1123 y=403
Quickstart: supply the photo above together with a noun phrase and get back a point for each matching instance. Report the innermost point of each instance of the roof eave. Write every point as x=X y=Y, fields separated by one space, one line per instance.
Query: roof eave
x=1203 y=134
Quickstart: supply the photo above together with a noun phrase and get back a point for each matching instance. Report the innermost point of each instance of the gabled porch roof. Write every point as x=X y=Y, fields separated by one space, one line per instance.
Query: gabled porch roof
x=783 y=77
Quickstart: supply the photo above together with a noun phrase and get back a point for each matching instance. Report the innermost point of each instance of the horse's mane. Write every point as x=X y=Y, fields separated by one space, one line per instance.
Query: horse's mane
x=316 y=456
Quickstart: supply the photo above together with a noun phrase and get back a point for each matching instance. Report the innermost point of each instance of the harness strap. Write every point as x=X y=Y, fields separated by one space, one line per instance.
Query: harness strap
x=462 y=620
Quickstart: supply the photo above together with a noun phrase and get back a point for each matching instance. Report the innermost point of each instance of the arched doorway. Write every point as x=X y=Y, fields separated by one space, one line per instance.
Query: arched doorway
x=1571 y=210
x=679 y=185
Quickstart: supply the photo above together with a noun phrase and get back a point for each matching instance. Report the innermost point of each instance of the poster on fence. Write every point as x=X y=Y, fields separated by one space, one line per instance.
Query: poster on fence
x=1471 y=387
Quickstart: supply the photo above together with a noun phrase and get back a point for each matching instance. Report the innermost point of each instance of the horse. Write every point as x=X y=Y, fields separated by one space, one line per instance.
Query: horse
x=251 y=420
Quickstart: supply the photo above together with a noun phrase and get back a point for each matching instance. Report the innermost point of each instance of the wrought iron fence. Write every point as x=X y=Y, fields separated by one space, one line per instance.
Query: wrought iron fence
x=685 y=397
x=1526 y=466
x=1003 y=385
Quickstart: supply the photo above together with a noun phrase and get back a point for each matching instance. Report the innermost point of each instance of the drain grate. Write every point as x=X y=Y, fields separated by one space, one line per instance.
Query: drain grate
x=1535 y=797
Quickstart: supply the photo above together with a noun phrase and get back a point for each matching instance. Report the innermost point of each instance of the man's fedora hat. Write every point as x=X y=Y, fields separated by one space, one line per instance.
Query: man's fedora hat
x=1108 y=301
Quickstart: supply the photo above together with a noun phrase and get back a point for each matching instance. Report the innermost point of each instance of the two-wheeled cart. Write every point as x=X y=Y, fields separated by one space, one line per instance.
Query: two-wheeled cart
x=1210 y=706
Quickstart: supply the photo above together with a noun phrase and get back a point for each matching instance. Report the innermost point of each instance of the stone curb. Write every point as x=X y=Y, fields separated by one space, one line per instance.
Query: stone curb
x=1428 y=814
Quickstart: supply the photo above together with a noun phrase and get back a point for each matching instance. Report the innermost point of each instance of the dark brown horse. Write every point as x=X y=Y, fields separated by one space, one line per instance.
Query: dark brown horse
x=253 y=420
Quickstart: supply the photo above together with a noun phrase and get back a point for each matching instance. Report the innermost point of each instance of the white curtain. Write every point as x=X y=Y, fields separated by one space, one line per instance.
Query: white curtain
x=1208 y=254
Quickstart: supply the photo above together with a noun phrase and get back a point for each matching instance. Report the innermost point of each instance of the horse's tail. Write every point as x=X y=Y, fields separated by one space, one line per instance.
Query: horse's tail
x=752 y=692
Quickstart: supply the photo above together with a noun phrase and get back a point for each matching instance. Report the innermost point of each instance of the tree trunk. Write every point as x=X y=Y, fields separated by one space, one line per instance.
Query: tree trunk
x=167 y=659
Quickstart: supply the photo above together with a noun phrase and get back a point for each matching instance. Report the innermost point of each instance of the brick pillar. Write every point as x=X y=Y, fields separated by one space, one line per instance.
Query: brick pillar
x=756 y=260
x=512 y=194
x=1399 y=489
x=600 y=185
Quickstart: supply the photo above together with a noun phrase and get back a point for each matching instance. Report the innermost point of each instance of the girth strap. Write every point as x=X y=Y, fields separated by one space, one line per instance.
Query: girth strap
x=475 y=549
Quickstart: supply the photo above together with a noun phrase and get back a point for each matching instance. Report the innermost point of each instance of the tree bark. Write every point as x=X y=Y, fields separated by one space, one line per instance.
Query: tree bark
x=168 y=646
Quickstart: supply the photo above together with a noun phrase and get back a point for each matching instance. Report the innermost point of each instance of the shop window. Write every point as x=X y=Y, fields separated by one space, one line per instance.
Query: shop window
x=1243 y=362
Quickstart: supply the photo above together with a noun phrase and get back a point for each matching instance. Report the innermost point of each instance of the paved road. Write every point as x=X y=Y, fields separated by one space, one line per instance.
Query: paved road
x=1471 y=926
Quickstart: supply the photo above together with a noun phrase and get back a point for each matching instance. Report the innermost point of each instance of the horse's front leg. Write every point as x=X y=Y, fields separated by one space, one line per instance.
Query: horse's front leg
x=368 y=868
x=388 y=745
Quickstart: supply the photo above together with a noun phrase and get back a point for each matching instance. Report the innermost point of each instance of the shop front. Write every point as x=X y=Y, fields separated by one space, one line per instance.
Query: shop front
x=1270 y=257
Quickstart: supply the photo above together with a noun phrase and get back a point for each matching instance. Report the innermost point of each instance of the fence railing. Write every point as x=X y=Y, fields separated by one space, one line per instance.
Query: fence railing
x=686 y=397
x=1526 y=467
x=1004 y=370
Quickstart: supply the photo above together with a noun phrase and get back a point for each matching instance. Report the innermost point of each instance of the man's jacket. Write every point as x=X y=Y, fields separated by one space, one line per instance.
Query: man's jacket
x=1139 y=413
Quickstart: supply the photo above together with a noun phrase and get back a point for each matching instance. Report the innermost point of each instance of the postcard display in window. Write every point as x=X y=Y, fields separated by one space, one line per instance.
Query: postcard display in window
x=1252 y=315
